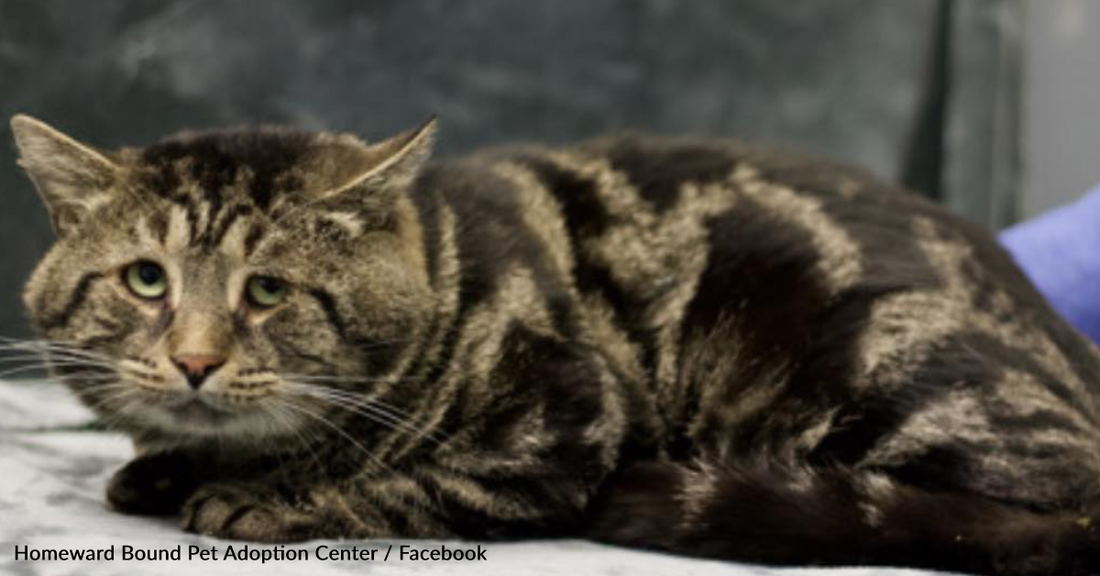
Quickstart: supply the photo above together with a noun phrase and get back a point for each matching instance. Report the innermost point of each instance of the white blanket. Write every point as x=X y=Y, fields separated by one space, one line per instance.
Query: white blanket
x=52 y=479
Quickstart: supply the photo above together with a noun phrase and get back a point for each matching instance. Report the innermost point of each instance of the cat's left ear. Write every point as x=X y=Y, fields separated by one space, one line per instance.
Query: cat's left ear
x=386 y=168
x=71 y=178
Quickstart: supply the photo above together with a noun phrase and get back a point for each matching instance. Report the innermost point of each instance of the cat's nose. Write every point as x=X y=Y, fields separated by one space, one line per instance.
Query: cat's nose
x=196 y=367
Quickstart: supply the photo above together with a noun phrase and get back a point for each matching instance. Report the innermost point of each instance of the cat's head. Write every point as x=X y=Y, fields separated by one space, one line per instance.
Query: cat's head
x=231 y=283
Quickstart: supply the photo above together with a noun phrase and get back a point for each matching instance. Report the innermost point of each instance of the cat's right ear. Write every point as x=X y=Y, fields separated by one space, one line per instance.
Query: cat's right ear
x=71 y=178
x=380 y=171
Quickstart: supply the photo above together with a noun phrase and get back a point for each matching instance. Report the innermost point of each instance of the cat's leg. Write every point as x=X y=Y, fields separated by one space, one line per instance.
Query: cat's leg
x=259 y=512
x=154 y=484
x=429 y=500
x=834 y=517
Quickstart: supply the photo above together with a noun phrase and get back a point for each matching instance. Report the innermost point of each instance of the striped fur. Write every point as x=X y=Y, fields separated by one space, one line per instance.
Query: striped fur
x=683 y=344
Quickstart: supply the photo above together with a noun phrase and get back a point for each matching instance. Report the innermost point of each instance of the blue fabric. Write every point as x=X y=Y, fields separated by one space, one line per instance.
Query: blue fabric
x=1060 y=252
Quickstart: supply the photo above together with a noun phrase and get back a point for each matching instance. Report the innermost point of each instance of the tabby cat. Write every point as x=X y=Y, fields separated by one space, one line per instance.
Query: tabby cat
x=681 y=344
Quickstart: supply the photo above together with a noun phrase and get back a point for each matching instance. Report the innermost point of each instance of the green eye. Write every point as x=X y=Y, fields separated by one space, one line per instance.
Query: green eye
x=146 y=279
x=265 y=291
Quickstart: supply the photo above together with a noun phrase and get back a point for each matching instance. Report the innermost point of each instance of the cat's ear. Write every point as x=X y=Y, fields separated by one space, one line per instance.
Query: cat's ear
x=72 y=178
x=383 y=169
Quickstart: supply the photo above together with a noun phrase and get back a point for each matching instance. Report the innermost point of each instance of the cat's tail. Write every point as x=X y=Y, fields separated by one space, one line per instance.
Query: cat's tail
x=835 y=517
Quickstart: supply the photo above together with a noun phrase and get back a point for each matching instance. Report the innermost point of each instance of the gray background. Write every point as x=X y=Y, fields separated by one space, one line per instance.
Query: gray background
x=1062 y=102
x=926 y=92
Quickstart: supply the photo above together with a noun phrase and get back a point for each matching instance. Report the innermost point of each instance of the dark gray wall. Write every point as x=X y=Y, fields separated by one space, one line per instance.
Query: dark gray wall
x=842 y=77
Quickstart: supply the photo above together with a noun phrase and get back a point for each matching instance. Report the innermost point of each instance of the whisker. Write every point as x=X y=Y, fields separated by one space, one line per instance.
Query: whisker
x=46 y=345
x=322 y=378
x=53 y=360
x=39 y=367
x=102 y=402
x=371 y=414
x=24 y=369
x=48 y=355
x=356 y=396
x=338 y=430
x=366 y=408
x=303 y=435
x=42 y=360
x=47 y=362
x=350 y=393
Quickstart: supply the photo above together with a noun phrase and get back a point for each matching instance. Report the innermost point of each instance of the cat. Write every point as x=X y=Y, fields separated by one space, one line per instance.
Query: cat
x=684 y=344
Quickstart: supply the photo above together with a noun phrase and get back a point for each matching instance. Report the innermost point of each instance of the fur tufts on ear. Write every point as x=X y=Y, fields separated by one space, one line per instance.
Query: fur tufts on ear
x=71 y=178
x=382 y=170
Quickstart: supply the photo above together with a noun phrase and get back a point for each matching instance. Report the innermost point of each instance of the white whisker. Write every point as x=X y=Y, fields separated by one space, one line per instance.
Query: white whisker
x=337 y=429
x=365 y=407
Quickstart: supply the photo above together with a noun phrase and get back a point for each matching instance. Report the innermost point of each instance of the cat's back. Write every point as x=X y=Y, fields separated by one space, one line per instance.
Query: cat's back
x=680 y=238
x=725 y=200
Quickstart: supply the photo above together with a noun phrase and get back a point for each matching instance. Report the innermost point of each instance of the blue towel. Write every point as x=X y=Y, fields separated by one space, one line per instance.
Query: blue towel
x=1060 y=252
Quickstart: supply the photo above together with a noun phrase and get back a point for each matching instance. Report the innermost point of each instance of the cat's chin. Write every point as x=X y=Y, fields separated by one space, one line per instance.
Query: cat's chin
x=197 y=418
x=195 y=411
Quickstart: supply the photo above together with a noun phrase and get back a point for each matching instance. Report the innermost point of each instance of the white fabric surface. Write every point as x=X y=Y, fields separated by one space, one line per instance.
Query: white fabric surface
x=52 y=480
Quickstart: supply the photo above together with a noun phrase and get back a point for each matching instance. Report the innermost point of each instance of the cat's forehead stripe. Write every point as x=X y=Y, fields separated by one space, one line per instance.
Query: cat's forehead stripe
x=232 y=237
x=179 y=228
x=256 y=233
x=257 y=164
x=216 y=179
x=157 y=225
x=228 y=219
x=219 y=179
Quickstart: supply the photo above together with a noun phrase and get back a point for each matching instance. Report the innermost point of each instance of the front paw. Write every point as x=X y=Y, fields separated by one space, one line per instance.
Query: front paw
x=154 y=485
x=246 y=512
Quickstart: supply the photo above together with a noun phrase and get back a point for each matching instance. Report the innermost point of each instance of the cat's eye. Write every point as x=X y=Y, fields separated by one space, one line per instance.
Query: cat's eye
x=265 y=291
x=146 y=279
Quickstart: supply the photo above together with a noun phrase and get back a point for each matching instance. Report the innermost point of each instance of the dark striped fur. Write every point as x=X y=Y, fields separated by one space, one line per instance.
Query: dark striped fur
x=690 y=345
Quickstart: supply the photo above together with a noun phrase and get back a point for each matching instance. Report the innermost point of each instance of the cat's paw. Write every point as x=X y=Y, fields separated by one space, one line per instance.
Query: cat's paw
x=154 y=485
x=245 y=512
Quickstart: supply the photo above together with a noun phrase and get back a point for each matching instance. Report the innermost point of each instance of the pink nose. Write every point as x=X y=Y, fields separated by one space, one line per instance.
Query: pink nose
x=196 y=367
